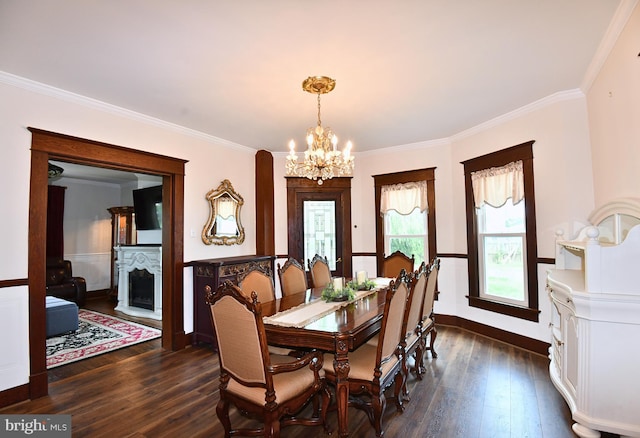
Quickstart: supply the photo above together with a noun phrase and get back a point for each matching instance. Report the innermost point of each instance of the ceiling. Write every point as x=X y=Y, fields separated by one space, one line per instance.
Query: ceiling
x=406 y=71
x=103 y=175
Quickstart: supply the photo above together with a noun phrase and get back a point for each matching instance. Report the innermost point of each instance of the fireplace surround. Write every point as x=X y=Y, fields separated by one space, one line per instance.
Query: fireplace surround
x=140 y=280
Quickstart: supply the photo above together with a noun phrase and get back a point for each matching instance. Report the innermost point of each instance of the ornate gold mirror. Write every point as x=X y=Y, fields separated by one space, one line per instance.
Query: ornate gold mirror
x=224 y=226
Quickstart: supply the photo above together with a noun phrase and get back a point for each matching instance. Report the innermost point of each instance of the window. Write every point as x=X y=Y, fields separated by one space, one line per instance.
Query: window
x=501 y=245
x=501 y=232
x=405 y=215
x=320 y=230
x=404 y=208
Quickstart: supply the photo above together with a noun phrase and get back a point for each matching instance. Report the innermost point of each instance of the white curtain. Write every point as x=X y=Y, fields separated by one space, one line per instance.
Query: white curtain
x=496 y=185
x=403 y=198
x=226 y=207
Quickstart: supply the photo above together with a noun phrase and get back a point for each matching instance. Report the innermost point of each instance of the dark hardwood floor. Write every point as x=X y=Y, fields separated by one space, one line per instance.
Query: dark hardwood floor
x=477 y=387
x=100 y=302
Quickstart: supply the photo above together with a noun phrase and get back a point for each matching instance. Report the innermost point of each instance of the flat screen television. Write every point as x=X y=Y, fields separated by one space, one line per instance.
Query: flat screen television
x=147 y=205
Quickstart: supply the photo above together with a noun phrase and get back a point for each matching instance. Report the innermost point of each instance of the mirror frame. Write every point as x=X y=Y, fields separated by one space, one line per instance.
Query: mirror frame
x=225 y=188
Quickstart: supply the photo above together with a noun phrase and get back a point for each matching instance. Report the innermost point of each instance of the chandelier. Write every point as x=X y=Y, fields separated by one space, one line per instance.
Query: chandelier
x=322 y=159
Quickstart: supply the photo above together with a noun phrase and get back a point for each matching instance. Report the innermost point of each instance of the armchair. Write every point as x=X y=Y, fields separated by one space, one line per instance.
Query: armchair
x=428 y=325
x=375 y=367
x=62 y=284
x=271 y=387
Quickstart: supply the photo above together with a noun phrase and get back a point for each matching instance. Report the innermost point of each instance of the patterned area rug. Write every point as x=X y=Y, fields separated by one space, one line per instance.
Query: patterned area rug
x=97 y=333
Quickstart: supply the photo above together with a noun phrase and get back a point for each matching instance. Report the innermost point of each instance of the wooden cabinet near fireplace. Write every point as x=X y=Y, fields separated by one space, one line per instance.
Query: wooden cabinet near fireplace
x=123 y=232
x=211 y=273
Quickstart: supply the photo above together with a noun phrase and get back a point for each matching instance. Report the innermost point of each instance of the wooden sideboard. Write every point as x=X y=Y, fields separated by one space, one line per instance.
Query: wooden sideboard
x=212 y=272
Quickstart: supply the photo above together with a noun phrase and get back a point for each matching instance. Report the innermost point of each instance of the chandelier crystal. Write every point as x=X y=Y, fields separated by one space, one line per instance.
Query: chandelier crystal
x=322 y=159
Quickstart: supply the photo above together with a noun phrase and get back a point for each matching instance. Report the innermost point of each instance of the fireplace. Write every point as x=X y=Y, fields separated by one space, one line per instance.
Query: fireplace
x=140 y=280
x=141 y=289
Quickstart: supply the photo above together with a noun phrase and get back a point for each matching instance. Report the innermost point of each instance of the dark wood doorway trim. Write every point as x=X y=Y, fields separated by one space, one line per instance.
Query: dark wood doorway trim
x=299 y=189
x=48 y=145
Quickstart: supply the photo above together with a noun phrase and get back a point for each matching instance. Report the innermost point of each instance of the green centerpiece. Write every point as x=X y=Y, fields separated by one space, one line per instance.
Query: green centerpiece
x=366 y=285
x=330 y=293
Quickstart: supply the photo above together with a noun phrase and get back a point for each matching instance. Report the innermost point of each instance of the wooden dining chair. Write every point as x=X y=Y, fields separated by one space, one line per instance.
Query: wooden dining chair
x=271 y=387
x=428 y=324
x=293 y=278
x=320 y=271
x=394 y=263
x=375 y=367
x=257 y=279
x=411 y=325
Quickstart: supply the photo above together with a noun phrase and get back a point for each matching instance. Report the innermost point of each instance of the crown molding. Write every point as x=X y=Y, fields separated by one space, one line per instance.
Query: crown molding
x=420 y=145
x=58 y=93
x=520 y=112
x=617 y=24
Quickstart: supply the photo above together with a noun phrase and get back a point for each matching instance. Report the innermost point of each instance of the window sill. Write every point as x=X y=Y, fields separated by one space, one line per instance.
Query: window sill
x=506 y=309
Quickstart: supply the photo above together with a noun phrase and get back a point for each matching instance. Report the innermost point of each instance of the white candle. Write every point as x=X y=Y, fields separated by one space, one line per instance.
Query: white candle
x=361 y=277
x=337 y=283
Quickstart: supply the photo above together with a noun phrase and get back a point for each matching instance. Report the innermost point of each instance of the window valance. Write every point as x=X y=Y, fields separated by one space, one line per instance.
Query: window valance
x=403 y=198
x=496 y=185
x=226 y=207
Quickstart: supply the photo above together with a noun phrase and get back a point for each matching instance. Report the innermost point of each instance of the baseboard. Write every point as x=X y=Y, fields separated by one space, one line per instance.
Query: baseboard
x=14 y=395
x=529 y=344
x=95 y=294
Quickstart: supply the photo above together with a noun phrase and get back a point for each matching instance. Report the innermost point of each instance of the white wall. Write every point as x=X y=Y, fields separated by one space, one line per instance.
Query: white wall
x=563 y=191
x=563 y=186
x=87 y=229
x=564 y=178
x=210 y=160
x=614 y=118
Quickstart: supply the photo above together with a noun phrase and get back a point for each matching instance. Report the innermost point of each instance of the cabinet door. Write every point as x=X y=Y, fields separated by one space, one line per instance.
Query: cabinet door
x=556 y=338
x=570 y=376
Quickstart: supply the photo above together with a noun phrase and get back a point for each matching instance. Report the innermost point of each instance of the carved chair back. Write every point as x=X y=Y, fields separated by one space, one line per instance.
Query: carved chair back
x=394 y=263
x=257 y=279
x=320 y=271
x=293 y=278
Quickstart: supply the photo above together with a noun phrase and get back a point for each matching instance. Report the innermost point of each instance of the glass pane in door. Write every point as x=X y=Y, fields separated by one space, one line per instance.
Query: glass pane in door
x=320 y=230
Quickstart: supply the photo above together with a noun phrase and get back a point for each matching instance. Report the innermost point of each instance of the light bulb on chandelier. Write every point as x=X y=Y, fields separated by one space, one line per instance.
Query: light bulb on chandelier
x=322 y=159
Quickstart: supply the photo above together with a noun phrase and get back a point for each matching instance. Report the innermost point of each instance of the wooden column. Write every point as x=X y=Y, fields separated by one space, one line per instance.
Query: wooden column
x=265 y=229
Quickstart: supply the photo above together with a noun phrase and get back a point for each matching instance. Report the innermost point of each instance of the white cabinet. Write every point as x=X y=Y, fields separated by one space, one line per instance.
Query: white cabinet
x=595 y=324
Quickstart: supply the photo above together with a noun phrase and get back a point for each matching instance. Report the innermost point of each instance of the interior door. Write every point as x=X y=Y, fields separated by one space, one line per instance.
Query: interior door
x=319 y=222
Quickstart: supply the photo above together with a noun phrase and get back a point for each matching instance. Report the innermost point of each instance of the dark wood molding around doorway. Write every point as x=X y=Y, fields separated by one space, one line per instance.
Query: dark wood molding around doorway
x=337 y=189
x=48 y=145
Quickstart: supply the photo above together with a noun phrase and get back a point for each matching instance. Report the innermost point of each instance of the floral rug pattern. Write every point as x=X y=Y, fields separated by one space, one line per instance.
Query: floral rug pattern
x=97 y=333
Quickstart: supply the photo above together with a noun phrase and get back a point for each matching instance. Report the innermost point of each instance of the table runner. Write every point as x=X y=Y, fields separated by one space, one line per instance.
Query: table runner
x=307 y=313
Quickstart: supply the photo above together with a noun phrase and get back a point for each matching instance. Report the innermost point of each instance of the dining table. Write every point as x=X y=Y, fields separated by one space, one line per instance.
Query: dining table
x=306 y=321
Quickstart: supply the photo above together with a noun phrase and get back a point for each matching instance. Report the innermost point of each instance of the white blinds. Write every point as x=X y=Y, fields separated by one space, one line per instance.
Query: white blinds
x=403 y=198
x=495 y=185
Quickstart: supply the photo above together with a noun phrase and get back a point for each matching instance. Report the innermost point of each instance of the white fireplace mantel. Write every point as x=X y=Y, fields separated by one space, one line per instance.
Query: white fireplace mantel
x=139 y=257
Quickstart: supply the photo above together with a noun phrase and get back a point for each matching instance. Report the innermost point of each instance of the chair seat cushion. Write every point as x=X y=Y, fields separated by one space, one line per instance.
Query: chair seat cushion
x=361 y=363
x=286 y=385
x=412 y=341
x=61 y=315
